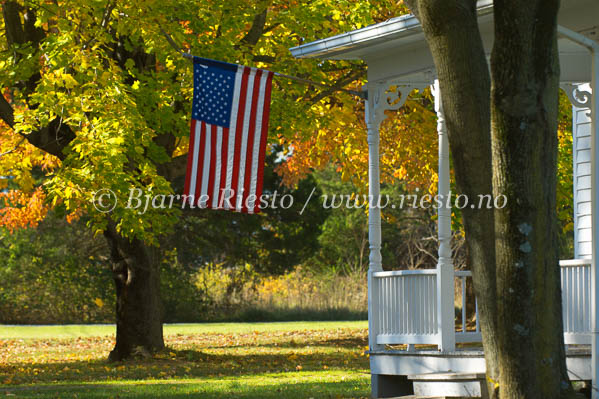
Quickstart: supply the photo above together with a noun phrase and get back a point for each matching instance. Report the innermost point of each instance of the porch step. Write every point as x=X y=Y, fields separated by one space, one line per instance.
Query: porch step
x=424 y=397
x=450 y=385
x=421 y=397
x=428 y=397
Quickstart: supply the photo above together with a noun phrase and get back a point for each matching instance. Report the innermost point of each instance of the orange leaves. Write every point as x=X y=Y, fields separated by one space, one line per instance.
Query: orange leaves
x=301 y=161
x=408 y=147
x=22 y=210
x=25 y=206
x=186 y=29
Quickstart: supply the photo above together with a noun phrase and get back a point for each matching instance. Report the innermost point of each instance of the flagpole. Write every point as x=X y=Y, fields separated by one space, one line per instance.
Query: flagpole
x=361 y=94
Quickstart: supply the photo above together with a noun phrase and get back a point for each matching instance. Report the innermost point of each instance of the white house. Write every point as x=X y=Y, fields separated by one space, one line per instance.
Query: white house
x=417 y=306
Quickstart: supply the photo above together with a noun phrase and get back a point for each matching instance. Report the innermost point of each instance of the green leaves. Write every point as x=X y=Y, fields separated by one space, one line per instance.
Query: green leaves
x=105 y=69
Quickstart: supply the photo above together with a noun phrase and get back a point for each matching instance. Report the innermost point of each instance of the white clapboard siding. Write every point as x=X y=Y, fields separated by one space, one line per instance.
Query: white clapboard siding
x=581 y=132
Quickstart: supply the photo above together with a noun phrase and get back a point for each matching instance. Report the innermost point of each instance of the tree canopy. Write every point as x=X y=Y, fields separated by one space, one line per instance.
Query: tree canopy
x=97 y=99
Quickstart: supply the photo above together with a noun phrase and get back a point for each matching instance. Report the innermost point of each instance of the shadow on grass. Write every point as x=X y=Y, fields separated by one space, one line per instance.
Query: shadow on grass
x=350 y=342
x=184 y=364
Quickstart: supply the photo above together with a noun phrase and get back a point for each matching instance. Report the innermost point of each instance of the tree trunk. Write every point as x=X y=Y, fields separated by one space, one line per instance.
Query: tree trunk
x=451 y=30
x=524 y=103
x=138 y=307
x=515 y=266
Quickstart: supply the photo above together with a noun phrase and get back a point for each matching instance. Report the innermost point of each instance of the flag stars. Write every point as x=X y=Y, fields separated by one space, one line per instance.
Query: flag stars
x=213 y=97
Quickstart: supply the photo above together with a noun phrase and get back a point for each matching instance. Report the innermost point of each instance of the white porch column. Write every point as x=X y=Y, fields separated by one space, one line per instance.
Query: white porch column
x=595 y=214
x=593 y=48
x=374 y=223
x=380 y=99
x=445 y=273
x=374 y=190
x=580 y=97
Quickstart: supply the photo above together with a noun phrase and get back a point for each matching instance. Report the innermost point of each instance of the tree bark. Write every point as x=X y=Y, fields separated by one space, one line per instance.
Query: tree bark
x=524 y=103
x=138 y=307
x=451 y=30
x=503 y=139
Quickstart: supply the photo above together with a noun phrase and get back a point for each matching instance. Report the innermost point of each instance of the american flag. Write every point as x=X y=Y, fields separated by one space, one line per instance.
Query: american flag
x=227 y=144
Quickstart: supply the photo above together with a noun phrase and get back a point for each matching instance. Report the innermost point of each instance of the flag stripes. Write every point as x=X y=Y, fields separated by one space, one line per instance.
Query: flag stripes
x=225 y=163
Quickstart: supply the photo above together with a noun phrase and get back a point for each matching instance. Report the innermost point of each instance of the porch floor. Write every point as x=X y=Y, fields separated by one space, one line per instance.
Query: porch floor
x=465 y=359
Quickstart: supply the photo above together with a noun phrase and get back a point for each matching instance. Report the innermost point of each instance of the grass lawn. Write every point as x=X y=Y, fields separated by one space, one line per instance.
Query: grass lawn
x=242 y=360
x=99 y=330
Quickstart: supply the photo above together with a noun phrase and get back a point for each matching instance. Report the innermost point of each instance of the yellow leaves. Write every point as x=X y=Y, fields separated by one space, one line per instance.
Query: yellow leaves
x=400 y=173
x=105 y=77
x=69 y=81
x=59 y=78
x=116 y=140
x=135 y=85
x=99 y=302
x=408 y=147
x=24 y=179
x=69 y=190
x=329 y=352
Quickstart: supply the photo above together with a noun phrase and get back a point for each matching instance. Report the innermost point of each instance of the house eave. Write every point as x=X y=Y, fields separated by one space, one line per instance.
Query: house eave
x=398 y=28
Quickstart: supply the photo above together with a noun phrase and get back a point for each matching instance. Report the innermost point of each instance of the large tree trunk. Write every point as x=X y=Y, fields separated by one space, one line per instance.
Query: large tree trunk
x=524 y=103
x=515 y=265
x=451 y=29
x=138 y=307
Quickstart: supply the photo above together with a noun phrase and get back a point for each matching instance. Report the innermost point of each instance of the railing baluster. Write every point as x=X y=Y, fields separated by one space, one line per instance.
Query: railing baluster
x=394 y=306
x=406 y=309
x=410 y=306
x=476 y=311
x=590 y=304
x=463 y=303
x=421 y=294
x=565 y=297
x=381 y=307
x=578 y=299
x=387 y=290
x=570 y=301
x=429 y=291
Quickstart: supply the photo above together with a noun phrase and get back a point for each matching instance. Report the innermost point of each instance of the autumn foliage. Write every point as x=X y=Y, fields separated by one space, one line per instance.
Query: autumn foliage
x=120 y=109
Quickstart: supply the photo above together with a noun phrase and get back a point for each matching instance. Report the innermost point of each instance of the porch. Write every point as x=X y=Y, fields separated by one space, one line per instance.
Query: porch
x=405 y=308
x=405 y=341
x=416 y=307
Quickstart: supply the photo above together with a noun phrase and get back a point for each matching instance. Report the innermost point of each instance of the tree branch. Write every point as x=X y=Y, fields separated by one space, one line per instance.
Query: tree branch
x=14 y=148
x=52 y=138
x=257 y=29
x=344 y=81
x=12 y=23
x=32 y=33
x=7 y=113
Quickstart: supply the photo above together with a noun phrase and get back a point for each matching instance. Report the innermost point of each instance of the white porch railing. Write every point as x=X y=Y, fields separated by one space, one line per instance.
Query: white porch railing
x=404 y=305
x=576 y=294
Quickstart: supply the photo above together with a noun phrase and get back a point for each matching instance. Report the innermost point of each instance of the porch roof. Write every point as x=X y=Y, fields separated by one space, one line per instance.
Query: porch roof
x=397 y=47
